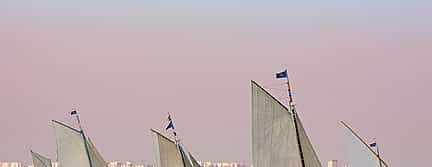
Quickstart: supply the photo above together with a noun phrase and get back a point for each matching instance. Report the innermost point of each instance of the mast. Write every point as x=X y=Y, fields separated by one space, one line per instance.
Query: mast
x=379 y=158
x=181 y=155
x=74 y=112
x=176 y=140
x=362 y=141
x=293 y=111
x=378 y=153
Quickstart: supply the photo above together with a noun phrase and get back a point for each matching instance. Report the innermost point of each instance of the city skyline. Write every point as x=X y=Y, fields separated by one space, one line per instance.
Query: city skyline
x=331 y=163
x=125 y=65
x=130 y=164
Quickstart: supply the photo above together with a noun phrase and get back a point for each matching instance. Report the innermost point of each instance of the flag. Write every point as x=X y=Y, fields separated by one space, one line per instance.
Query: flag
x=170 y=123
x=74 y=112
x=283 y=74
x=373 y=144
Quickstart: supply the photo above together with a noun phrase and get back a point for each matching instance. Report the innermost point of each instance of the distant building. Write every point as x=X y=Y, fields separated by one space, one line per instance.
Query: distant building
x=332 y=163
x=221 y=164
x=123 y=164
x=11 y=164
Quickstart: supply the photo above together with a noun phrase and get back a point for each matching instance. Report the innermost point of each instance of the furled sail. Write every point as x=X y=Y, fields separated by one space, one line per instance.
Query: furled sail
x=359 y=153
x=167 y=152
x=71 y=149
x=274 y=137
x=96 y=157
x=39 y=160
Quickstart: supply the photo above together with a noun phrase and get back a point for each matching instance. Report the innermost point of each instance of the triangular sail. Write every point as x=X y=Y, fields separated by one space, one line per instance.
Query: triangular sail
x=167 y=152
x=310 y=157
x=39 y=160
x=274 y=142
x=359 y=153
x=194 y=161
x=96 y=157
x=71 y=150
x=185 y=158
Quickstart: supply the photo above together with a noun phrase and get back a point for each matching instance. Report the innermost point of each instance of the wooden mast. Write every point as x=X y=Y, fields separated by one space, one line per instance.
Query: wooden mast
x=378 y=153
x=292 y=108
x=84 y=137
x=176 y=140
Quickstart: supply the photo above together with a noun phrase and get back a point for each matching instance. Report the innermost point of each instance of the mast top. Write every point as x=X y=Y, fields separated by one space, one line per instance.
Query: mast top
x=284 y=74
x=75 y=113
x=171 y=126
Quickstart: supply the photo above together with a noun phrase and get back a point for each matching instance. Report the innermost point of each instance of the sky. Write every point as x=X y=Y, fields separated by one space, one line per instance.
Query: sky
x=125 y=64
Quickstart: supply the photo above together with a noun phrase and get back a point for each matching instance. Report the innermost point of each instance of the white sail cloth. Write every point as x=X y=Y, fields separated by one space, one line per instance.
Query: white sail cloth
x=72 y=148
x=274 y=138
x=359 y=153
x=310 y=157
x=170 y=154
x=96 y=157
x=194 y=161
x=39 y=160
x=71 y=151
x=167 y=153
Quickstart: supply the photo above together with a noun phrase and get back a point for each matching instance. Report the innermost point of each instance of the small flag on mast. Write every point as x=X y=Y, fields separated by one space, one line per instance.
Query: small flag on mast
x=170 y=123
x=74 y=112
x=283 y=74
x=374 y=144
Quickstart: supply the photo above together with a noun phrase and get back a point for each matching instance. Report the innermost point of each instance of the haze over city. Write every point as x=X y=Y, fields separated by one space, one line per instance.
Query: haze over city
x=124 y=65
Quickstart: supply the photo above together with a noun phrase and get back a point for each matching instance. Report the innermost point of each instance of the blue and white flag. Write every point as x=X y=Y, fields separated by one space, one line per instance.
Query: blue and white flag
x=170 y=123
x=283 y=74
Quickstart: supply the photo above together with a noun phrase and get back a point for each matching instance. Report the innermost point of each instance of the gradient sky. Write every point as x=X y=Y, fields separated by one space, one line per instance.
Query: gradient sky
x=125 y=64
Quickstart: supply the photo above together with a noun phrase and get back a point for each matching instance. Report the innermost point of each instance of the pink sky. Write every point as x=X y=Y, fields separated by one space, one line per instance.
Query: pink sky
x=125 y=75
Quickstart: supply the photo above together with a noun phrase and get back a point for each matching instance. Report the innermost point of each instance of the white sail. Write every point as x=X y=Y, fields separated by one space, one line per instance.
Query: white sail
x=185 y=157
x=96 y=157
x=167 y=152
x=71 y=150
x=194 y=161
x=39 y=160
x=274 y=142
x=359 y=153
x=310 y=157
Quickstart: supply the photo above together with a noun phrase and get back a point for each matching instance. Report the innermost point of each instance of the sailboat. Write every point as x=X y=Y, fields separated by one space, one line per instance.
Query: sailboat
x=278 y=136
x=74 y=148
x=171 y=153
x=360 y=153
x=40 y=160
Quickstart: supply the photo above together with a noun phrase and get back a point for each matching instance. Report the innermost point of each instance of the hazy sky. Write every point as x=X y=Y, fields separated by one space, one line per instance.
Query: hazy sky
x=125 y=64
